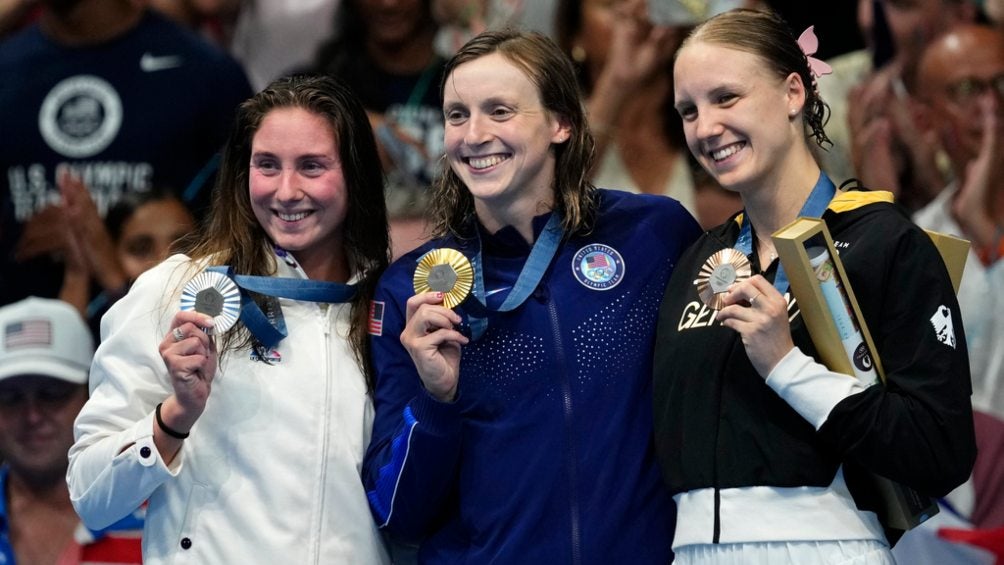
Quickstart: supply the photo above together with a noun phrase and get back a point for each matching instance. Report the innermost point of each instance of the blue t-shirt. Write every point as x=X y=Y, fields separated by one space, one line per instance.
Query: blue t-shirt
x=150 y=107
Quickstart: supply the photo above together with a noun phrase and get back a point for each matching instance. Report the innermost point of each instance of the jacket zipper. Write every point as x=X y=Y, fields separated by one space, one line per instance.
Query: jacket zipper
x=717 y=528
x=325 y=421
x=566 y=393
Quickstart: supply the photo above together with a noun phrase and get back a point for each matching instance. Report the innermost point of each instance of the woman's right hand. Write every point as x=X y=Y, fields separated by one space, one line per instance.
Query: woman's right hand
x=434 y=344
x=190 y=356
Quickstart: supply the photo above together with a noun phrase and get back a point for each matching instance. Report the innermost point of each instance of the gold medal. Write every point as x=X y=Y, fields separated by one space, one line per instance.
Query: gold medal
x=719 y=272
x=445 y=270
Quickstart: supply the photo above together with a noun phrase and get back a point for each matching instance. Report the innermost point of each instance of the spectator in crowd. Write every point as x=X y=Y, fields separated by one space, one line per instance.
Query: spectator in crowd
x=115 y=94
x=995 y=11
x=144 y=229
x=625 y=63
x=460 y=20
x=872 y=129
x=15 y=14
x=272 y=38
x=109 y=255
x=212 y=19
x=45 y=354
x=960 y=100
x=384 y=52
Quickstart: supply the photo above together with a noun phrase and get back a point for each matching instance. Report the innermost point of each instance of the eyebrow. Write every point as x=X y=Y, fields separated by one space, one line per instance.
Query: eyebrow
x=271 y=155
x=725 y=88
x=490 y=101
x=495 y=100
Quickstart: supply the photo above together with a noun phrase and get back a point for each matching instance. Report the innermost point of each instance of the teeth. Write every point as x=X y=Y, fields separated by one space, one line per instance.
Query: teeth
x=292 y=217
x=485 y=162
x=726 y=152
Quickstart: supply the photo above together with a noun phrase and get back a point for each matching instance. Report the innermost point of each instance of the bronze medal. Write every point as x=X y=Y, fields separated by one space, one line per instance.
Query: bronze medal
x=723 y=269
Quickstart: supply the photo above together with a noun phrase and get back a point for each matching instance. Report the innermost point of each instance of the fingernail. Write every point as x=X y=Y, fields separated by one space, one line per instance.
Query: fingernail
x=439 y=295
x=208 y=321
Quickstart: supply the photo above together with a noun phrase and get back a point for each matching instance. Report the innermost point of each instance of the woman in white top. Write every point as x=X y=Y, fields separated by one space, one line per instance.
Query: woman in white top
x=247 y=443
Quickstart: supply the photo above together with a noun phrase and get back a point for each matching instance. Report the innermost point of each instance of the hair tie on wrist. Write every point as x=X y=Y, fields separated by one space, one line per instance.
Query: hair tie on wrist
x=165 y=429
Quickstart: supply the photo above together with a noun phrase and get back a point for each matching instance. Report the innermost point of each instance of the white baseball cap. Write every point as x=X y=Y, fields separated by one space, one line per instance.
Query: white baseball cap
x=42 y=336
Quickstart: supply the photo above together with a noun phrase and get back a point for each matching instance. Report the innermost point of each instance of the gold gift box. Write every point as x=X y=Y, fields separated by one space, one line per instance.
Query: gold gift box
x=954 y=252
x=790 y=243
x=902 y=507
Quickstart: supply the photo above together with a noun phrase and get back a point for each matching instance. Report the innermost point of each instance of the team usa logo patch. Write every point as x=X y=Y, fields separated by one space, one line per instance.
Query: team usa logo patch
x=598 y=266
x=376 y=317
x=80 y=116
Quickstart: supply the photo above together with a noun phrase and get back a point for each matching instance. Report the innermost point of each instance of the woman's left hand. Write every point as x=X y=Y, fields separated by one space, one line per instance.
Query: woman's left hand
x=756 y=310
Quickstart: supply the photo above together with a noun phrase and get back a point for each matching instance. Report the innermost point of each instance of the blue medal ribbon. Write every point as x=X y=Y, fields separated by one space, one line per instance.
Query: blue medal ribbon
x=541 y=255
x=270 y=333
x=814 y=207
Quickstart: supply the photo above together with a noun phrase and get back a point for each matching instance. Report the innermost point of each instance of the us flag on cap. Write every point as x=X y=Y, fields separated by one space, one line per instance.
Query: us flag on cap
x=27 y=333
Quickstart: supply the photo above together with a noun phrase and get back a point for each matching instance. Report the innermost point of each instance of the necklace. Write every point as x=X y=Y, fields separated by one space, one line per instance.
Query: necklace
x=765 y=245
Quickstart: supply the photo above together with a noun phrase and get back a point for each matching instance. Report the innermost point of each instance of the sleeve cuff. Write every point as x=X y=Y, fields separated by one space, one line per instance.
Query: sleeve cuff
x=809 y=387
x=435 y=417
x=144 y=451
x=118 y=488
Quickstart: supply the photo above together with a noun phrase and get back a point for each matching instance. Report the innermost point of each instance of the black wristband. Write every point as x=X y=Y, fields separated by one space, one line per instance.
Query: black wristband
x=165 y=429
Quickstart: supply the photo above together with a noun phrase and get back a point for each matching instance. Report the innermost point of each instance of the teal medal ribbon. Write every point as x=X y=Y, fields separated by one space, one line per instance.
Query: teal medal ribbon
x=820 y=197
x=541 y=255
x=270 y=333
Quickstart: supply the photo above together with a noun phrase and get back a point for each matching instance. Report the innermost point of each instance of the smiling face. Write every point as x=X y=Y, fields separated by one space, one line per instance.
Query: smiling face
x=499 y=137
x=298 y=191
x=741 y=121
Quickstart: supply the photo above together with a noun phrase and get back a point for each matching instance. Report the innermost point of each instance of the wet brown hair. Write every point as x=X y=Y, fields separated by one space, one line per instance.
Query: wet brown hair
x=232 y=235
x=452 y=206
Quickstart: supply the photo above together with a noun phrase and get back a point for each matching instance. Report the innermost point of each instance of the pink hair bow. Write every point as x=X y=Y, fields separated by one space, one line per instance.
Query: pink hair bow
x=809 y=43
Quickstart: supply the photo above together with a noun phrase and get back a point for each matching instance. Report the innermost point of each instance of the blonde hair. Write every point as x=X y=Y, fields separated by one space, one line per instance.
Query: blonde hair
x=767 y=35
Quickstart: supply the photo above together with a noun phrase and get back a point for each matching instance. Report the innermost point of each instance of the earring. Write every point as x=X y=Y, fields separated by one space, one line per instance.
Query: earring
x=578 y=54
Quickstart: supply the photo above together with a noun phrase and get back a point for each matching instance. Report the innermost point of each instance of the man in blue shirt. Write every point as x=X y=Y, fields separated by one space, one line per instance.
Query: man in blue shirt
x=115 y=95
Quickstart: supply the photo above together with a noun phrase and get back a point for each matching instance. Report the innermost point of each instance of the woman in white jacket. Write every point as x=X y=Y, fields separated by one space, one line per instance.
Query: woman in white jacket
x=248 y=442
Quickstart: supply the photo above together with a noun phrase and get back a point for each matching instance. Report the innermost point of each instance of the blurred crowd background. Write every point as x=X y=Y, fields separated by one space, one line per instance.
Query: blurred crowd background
x=112 y=113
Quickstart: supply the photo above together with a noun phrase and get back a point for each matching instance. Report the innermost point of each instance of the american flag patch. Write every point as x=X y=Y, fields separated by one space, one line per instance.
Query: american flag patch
x=598 y=261
x=27 y=333
x=376 y=318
